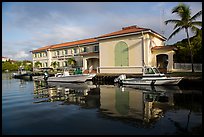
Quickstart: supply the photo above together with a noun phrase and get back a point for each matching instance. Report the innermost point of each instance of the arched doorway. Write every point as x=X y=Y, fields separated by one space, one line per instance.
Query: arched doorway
x=162 y=62
x=121 y=54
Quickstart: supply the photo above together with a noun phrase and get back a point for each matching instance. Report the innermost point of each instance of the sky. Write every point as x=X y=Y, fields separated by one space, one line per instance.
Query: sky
x=30 y=25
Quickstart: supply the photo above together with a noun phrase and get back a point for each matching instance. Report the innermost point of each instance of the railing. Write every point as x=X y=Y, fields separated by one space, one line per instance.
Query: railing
x=187 y=67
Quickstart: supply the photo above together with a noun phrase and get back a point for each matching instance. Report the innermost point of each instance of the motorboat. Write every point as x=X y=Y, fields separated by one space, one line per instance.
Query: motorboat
x=22 y=74
x=150 y=76
x=66 y=77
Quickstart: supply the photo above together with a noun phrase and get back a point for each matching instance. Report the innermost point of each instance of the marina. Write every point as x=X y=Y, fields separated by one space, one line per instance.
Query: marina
x=91 y=108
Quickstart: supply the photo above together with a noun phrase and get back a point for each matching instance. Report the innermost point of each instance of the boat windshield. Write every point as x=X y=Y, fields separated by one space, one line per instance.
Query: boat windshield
x=149 y=71
x=156 y=70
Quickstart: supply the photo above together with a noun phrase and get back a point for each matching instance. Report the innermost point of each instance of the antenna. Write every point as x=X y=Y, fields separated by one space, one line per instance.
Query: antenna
x=162 y=21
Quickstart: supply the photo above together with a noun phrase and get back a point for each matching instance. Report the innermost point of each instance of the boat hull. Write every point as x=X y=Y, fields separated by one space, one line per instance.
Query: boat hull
x=166 y=81
x=22 y=76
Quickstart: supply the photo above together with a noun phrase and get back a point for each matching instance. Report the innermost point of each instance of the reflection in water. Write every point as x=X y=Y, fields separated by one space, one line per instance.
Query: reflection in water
x=140 y=106
x=134 y=104
x=69 y=93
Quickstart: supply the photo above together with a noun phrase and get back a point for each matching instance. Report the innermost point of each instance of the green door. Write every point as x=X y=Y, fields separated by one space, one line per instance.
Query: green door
x=121 y=54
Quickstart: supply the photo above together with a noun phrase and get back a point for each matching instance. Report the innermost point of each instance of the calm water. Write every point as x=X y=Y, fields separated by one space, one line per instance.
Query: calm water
x=30 y=107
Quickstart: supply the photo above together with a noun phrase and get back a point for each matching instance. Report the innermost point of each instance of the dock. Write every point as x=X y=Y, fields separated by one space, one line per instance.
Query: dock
x=107 y=78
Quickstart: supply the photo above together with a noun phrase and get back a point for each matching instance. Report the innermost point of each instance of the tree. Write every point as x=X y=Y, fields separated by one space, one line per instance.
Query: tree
x=38 y=64
x=197 y=46
x=9 y=66
x=71 y=61
x=54 y=64
x=186 y=22
x=182 y=54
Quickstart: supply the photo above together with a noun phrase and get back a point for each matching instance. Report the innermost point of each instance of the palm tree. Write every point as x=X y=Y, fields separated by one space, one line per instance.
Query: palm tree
x=54 y=64
x=71 y=61
x=186 y=22
x=38 y=64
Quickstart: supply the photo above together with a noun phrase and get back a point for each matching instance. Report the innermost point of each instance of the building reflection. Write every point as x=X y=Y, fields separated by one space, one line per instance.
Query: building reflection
x=84 y=95
x=142 y=106
x=133 y=103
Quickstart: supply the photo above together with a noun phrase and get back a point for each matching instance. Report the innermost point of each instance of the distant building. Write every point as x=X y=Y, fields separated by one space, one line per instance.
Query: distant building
x=123 y=51
x=5 y=59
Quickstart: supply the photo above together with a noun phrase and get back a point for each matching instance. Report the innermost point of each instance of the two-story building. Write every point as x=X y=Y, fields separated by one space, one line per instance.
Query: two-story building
x=85 y=52
x=123 y=51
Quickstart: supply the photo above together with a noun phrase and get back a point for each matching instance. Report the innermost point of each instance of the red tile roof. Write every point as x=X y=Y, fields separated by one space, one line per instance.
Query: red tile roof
x=41 y=49
x=78 y=42
x=84 y=41
x=125 y=30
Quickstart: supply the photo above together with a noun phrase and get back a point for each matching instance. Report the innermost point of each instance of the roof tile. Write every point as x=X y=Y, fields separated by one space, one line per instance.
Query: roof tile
x=125 y=30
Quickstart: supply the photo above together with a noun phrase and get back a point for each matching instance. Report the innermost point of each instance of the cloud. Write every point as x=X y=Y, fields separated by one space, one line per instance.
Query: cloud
x=20 y=55
x=28 y=26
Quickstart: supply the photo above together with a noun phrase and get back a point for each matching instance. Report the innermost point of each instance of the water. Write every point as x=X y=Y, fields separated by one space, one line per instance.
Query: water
x=37 y=108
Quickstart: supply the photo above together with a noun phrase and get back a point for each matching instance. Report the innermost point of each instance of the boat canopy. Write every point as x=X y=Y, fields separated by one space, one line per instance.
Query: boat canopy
x=147 y=70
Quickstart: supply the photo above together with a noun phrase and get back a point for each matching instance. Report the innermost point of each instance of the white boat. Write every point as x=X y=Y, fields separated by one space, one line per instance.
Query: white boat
x=150 y=76
x=22 y=74
x=66 y=77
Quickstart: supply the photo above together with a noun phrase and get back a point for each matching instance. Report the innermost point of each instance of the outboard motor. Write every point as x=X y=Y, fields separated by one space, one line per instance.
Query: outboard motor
x=120 y=78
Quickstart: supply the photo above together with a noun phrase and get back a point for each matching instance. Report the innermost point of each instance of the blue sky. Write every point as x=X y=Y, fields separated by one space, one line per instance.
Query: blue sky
x=30 y=25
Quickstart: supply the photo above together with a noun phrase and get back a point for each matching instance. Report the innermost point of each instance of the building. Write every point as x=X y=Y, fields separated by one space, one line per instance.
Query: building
x=123 y=51
x=5 y=59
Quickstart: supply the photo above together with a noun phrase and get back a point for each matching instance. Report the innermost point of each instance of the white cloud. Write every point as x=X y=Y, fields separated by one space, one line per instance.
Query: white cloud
x=20 y=55
x=42 y=24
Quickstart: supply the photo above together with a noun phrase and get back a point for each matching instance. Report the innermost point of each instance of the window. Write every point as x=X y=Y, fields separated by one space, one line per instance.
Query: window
x=65 y=52
x=156 y=70
x=149 y=71
x=65 y=64
x=75 y=50
x=57 y=53
x=85 y=49
x=45 y=64
x=96 y=48
x=69 y=51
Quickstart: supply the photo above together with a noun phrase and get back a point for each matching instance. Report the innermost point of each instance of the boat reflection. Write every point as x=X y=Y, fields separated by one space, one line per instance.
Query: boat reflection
x=69 y=93
x=140 y=106
x=134 y=104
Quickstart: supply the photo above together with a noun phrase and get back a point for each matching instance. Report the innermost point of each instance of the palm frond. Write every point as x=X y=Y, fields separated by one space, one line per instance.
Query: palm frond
x=177 y=8
x=196 y=16
x=172 y=21
x=175 y=32
x=179 y=24
x=194 y=29
x=182 y=11
x=198 y=23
